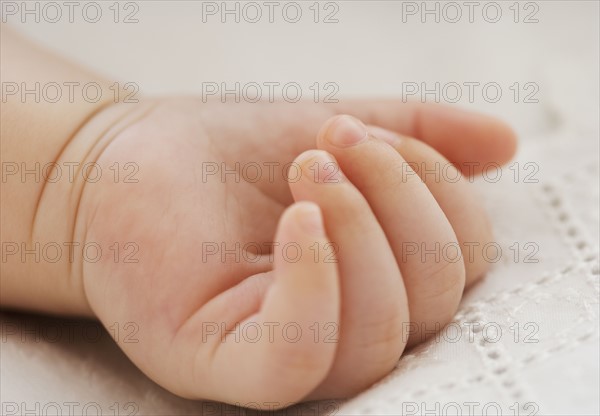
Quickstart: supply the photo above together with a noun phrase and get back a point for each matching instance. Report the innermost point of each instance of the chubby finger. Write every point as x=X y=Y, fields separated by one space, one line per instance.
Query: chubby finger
x=452 y=192
x=468 y=139
x=374 y=303
x=411 y=218
x=271 y=358
x=305 y=293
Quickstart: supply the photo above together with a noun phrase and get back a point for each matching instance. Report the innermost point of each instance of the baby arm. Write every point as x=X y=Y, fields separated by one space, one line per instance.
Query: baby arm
x=171 y=291
x=42 y=139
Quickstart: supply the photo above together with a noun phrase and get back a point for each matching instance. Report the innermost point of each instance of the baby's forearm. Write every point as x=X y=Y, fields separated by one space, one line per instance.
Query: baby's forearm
x=44 y=145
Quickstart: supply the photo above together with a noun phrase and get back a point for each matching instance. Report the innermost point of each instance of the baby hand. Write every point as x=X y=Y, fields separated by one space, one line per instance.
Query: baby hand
x=364 y=240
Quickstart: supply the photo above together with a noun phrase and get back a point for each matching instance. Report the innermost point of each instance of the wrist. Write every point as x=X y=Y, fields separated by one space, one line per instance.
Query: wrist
x=44 y=271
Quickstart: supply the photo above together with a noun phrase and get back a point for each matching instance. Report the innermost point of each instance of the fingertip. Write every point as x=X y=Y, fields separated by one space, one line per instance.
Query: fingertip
x=497 y=145
x=507 y=140
x=341 y=131
x=308 y=217
x=302 y=230
x=325 y=129
x=495 y=140
x=467 y=138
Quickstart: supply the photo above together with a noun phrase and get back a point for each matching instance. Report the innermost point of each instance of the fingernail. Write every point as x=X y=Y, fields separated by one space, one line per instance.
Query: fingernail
x=387 y=136
x=346 y=131
x=317 y=166
x=310 y=218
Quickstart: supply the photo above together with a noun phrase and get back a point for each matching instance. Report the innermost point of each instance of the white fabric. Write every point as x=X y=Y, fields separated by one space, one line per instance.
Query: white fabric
x=554 y=301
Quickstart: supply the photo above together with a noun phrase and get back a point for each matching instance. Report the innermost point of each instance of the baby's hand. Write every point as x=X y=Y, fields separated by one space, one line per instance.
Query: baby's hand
x=243 y=291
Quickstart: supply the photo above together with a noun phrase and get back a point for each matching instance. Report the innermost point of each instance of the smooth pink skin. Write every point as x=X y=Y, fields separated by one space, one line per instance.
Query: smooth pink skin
x=411 y=218
x=171 y=292
x=374 y=305
x=454 y=195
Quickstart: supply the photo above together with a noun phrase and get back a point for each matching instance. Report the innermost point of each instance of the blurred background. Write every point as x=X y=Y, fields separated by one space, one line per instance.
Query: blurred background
x=365 y=47
x=534 y=64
